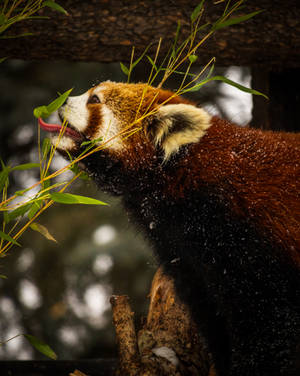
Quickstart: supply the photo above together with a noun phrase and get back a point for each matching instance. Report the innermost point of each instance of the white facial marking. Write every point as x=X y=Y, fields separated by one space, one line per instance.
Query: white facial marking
x=64 y=143
x=76 y=111
x=109 y=129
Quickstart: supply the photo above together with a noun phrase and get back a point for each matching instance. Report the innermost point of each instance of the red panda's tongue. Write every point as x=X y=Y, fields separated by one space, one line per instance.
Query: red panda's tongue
x=56 y=128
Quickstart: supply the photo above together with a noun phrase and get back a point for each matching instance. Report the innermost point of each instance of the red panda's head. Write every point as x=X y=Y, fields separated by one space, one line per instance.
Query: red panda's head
x=132 y=121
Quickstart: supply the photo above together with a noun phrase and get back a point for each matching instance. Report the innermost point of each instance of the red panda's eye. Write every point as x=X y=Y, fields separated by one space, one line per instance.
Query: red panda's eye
x=93 y=99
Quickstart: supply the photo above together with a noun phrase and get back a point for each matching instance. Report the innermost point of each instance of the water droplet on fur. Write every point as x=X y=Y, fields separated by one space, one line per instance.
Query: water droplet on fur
x=152 y=225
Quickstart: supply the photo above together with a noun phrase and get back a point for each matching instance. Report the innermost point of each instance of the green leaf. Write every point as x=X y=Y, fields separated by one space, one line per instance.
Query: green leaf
x=2 y=18
x=235 y=20
x=151 y=62
x=140 y=58
x=35 y=207
x=227 y=81
x=76 y=170
x=2 y=59
x=42 y=230
x=8 y=238
x=55 y=6
x=3 y=276
x=197 y=11
x=90 y=143
x=125 y=70
x=4 y=177
x=46 y=147
x=58 y=102
x=40 y=112
x=22 y=191
x=46 y=183
x=173 y=54
x=41 y=346
x=25 y=166
x=182 y=73
x=193 y=58
x=18 y=212
x=68 y=198
x=46 y=111
x=211 y=70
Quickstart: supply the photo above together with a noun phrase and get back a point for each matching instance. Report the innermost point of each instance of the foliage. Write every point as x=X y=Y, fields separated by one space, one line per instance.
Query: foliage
x=37 y=344
x=15 y=11
x=185 y=53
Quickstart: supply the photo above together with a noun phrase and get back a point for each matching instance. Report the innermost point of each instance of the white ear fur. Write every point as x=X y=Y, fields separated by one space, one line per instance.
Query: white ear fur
x=180 y=124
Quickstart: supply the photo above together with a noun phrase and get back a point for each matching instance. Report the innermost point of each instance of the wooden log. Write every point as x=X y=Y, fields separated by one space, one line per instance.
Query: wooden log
x=104 y=31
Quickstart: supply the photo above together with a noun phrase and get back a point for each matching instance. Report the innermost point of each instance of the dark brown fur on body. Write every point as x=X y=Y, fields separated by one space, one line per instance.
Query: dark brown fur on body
x=257 y=172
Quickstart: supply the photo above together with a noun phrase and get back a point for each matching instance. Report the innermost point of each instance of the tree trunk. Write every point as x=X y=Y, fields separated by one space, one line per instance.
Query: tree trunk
x=104 y=31
x=168 y=344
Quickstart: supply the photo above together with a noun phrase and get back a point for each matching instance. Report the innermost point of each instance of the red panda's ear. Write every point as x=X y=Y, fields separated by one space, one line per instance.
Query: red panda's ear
x=175 y=125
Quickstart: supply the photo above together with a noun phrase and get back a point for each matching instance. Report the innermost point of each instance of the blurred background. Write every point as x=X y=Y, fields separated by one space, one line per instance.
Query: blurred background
x=59 y=292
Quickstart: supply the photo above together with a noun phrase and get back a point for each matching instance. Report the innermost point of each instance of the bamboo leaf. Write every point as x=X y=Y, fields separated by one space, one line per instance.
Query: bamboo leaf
x=22 y=191
x=58 y=102
x=46 y=147
x=125 y=70
x=45 y=111
x=46 y=183
x=2 y=18
x=42 y=230
x=35 y=207
x=182 y=73
x=40 y=112
x=2 y=59
x=55 y=6
x=197 y=11
x=193 y=58
x=211 y=70
x=140 y=58
x=173 y=54
x=41 y=346
x=4 y=177
x=18 y=212
x=68 y=198
x=227 y=81
x=25 y=166
x=152 y=62
x=8 y=238
x=76 y=170
x=235 y=20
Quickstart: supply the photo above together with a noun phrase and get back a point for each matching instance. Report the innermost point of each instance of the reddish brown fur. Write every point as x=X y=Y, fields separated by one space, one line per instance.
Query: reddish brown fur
x=94 y=120
x=257 y=172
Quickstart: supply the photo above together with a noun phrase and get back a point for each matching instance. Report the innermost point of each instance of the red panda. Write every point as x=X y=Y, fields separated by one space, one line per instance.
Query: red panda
x=220 y=205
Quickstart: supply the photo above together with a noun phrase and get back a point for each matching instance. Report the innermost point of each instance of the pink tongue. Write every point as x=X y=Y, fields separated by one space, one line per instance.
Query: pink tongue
x=49 y=127
x=56 y=128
